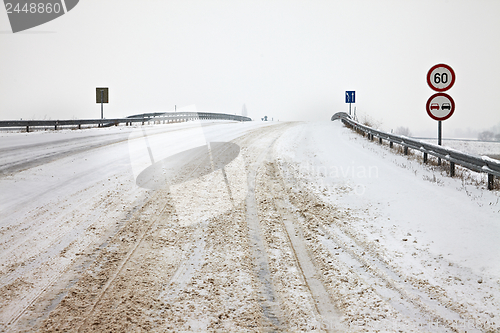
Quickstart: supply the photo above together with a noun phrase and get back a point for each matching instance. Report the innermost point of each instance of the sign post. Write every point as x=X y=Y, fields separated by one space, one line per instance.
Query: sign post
x=440 y=106
x=350 y=97
x=102 y=97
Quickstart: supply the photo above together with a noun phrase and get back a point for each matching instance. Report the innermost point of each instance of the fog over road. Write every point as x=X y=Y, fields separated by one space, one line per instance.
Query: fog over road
x=279 y=226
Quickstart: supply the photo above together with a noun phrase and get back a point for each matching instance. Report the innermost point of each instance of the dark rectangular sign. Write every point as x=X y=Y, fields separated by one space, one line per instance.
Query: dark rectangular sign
x=101 y=92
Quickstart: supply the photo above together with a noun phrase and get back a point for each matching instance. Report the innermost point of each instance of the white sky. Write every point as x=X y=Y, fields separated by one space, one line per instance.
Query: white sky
x=290 y=60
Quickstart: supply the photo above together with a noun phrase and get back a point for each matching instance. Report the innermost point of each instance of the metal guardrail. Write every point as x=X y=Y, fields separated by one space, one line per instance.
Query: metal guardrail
x=472 y=162
x=165 y=117
x=340 y=115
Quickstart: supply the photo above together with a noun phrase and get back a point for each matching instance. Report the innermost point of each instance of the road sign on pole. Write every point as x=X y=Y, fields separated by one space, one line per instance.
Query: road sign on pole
x=350 y=97
x=440 y=106
x=101 y=97
x=440 y=77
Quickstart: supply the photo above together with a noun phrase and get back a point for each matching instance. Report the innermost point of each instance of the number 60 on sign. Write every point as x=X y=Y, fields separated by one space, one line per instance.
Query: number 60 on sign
x=441 y=77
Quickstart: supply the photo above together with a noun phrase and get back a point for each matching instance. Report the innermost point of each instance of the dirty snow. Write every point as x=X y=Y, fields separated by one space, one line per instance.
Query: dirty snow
x=305 y=226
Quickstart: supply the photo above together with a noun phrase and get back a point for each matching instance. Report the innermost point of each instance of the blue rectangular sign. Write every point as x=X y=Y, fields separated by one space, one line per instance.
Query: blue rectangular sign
x=350 y=97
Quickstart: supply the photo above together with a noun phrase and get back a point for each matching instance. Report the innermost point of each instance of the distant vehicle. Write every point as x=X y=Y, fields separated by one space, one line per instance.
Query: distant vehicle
x=434 y=106
x=446 y=106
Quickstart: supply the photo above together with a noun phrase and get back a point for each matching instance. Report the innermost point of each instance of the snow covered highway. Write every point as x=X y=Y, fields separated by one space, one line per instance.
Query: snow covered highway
x=253 y=226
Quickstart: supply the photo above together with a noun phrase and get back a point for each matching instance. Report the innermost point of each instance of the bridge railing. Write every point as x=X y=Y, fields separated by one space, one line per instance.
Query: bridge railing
x=482 y=164
x=165 y=117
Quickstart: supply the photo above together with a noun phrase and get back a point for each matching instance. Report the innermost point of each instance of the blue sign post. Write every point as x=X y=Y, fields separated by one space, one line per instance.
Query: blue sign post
x=350 y=97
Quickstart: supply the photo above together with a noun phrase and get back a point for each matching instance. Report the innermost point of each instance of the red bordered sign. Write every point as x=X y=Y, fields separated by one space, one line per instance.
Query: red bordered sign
x=440 y=106
x=440 y=77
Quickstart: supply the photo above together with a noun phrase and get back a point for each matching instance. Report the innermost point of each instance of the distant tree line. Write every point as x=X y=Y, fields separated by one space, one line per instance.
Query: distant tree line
x=403 y=131
x=488 y=136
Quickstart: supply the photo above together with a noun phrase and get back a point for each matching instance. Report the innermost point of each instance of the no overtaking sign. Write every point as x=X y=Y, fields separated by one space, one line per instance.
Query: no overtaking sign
x=440 y=106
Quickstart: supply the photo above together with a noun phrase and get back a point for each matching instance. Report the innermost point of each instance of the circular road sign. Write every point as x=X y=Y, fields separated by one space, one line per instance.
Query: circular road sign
x=440 y=77
x=440 y=106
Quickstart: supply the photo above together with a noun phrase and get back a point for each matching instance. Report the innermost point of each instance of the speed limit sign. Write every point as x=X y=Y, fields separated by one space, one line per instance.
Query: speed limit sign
x=441 y=77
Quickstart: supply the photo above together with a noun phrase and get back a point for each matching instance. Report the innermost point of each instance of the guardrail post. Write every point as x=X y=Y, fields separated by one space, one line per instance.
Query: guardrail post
x=380 y=140
x=425 y=157
x=406 y=150
x=27 y=129
x=371 y=137
x=452 y=169
x=490 y=181
x=391 y=144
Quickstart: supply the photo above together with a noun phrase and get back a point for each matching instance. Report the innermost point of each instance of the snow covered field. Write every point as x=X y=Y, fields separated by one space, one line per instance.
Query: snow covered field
x=239 y=226
x=479 y=148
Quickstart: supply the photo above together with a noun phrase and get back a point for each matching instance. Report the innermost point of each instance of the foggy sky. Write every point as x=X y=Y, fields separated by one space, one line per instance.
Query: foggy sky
x=290 y=60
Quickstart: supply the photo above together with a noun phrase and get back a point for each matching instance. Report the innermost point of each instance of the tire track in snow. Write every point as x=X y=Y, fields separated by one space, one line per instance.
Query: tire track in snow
x=40 y=271
x=400 y=294
x=268 y=298
x=120 y=267
x=27 y=228
x=60 y=286
x=50 y=251
x=300 y=300
x=90 y=305
x=422 y=309
x=330 y=316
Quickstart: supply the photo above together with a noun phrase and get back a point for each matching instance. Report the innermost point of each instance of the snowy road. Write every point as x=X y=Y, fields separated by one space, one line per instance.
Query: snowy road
x=239 y=226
